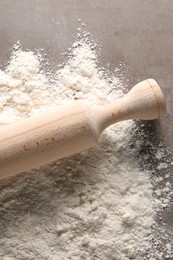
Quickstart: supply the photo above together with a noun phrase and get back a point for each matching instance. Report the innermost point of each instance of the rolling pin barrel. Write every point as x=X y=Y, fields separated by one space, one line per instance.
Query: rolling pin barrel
x=69 y=129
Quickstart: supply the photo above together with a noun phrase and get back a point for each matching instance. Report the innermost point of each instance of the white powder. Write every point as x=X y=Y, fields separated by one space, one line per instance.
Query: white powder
x=96 y=205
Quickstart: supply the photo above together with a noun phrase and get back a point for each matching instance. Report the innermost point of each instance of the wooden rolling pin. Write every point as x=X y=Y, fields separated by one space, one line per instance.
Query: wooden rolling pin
x=65 y=130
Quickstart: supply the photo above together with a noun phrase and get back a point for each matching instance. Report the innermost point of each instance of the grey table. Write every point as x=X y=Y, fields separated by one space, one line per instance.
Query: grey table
x=135 y=32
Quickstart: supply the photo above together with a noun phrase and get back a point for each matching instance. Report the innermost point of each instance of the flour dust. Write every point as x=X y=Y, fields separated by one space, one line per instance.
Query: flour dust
x=99 y=204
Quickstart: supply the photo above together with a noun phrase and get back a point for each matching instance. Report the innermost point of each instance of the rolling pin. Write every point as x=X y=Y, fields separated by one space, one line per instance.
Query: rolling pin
x=68 y=129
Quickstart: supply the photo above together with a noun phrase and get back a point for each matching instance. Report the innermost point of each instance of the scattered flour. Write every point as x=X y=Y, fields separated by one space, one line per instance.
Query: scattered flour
x=100 y=204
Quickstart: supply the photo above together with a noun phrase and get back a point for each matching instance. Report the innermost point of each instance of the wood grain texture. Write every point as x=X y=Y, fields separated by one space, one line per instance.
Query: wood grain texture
x=68 y=129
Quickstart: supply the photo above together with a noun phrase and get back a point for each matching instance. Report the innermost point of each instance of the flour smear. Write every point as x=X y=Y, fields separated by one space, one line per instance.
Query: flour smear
x=100 y=204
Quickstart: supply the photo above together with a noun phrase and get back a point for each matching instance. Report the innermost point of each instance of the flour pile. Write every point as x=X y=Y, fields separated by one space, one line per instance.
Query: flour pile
x=96 y=205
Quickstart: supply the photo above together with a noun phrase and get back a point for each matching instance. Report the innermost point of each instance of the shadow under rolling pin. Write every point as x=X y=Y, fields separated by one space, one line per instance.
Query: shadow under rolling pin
x=65 y=130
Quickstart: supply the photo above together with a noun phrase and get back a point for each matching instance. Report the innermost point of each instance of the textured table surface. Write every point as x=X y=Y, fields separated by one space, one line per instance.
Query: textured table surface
x=137 y=33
